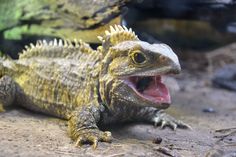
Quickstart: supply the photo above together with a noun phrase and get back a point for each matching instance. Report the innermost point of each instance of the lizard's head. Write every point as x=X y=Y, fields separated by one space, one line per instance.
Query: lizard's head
x=132 y=70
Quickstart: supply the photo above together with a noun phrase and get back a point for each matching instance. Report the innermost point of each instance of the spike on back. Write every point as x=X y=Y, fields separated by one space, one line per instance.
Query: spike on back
x=56 y=48
x=117 y=34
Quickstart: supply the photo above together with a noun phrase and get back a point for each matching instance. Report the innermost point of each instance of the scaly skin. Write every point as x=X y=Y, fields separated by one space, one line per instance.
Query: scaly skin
x=89 y=87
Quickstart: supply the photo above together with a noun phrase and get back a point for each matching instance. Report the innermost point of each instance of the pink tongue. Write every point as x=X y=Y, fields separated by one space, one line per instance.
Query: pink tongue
x=158 y=91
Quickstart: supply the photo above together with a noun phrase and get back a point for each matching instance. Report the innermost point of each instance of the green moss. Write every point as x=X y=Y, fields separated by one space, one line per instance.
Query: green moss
x=15 y=33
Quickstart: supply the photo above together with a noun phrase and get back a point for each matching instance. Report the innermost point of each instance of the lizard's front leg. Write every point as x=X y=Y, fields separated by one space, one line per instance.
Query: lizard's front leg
x=83 y=126
x=159 y=117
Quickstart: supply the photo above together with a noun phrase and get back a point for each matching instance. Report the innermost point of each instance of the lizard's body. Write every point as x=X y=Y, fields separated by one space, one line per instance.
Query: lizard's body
x=53 y=85
x=88 y=87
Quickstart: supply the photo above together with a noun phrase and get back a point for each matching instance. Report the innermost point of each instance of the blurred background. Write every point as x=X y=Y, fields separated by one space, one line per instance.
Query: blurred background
x=202 y=32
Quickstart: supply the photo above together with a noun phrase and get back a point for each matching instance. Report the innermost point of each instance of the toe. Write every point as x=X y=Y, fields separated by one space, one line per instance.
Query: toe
x=156 y=120
x=93 y=137
x=173 y=125
x=184 y=125
x=95 y=142
x=167 y=120
x=79 y=141
x=163 y=124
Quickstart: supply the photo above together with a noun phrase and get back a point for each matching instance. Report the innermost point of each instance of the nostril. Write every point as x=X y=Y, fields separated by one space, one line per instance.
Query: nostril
x=162 y=58
x=176 y=69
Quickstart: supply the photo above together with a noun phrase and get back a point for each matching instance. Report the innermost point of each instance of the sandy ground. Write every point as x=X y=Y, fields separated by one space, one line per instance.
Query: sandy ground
x=23 y=133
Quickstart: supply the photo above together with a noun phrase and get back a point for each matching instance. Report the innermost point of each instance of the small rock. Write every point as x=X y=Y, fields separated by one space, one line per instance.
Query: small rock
x=208 y=110
x=225 y=77
x=157 y=140
x=9 y=139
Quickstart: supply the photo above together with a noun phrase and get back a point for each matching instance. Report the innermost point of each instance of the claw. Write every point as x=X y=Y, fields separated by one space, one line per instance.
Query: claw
x=184 y=125
x=79 y=142
x=163 y=124
x=95 y=143
x=155 y=124
x=173 y=125
x=167 y=120
x=157 y=120
x=92 y=137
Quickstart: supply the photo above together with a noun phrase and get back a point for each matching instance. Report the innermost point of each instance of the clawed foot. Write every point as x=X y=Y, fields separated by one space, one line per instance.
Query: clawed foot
x=93 y=136
x=164 y=120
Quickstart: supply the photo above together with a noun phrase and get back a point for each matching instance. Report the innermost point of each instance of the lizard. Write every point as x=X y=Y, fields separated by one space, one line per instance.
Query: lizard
x=120 y=81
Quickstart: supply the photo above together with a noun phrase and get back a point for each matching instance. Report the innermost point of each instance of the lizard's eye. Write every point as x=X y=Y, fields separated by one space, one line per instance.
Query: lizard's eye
x=138 y=57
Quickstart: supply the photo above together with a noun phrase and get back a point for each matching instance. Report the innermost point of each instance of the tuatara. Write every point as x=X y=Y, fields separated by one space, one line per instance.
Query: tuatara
x=120 y=81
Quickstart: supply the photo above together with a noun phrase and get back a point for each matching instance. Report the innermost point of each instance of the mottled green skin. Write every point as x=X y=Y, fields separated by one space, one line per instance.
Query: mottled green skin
x=84 y=86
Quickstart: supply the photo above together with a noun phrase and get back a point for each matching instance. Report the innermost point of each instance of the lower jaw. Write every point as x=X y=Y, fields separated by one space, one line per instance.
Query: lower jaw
x=159 y=105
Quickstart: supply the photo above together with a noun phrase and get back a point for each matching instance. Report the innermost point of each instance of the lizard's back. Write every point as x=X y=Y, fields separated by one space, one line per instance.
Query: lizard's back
x=55 y=81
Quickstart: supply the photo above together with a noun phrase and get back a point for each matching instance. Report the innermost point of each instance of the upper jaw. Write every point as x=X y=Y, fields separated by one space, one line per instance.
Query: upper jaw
x=159 y=71
x=171 y=69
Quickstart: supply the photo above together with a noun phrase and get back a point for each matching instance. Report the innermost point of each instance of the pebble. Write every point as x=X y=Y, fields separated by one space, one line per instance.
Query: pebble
x=157 y=140
x=208 y=110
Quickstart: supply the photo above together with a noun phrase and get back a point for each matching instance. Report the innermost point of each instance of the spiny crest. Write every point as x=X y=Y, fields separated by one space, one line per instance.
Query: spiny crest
x=55 y=48
x=118 y=34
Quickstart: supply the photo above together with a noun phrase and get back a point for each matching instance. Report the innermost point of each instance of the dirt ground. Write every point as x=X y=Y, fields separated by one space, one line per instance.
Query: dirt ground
x=210 y=111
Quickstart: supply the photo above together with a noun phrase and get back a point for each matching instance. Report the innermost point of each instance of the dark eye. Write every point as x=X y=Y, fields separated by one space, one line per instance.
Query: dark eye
x=138 y=58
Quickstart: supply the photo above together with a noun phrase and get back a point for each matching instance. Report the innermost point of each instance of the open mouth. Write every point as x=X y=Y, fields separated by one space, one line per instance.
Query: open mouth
x=150 y=88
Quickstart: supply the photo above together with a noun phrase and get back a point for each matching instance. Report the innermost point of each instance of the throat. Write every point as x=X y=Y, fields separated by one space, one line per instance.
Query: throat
x=143 y=84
